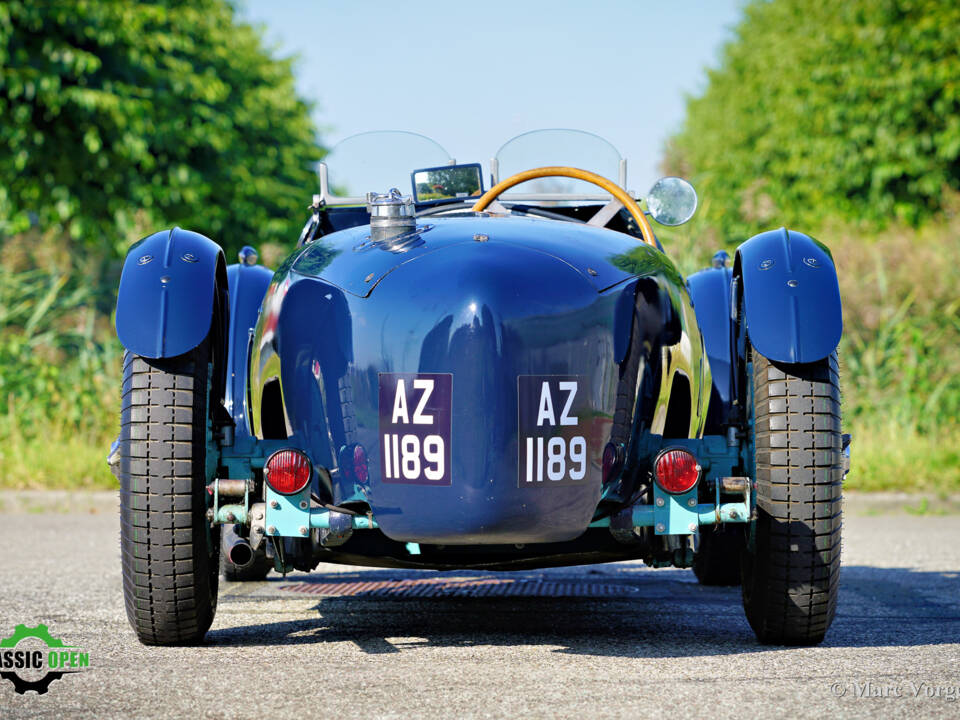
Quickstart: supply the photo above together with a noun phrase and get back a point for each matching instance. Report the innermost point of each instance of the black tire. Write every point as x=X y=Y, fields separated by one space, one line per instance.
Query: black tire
x=257 y=570
x=717 y=561
x=791 y=574
x=170 y=553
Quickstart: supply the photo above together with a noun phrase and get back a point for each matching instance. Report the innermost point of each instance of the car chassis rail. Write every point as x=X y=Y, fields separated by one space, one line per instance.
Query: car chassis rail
x=296 y=515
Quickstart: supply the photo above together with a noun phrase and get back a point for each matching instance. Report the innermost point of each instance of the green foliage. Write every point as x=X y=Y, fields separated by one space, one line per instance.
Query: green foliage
x=117 y=119
x=448 y=183
x=59 y=381
x=822 y=108
x=901 y=344
x=887 y=457
x=839 y=118
x=120 y=117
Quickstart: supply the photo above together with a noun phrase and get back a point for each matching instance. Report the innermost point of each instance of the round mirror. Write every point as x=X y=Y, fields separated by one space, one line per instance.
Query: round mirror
x=672 y=201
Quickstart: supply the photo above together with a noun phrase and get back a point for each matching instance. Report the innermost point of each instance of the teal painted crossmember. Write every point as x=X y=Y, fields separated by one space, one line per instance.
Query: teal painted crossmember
x=321 y=519
x=288 y=519
x=292 y=516
x=704 y=514
x=232 y=514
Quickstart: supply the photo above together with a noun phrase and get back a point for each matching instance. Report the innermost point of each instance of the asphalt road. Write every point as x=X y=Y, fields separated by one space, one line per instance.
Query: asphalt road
x=621 y=640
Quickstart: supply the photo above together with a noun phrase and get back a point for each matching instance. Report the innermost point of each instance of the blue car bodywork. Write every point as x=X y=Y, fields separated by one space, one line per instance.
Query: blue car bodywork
x=485 y=313
x=521 y=344
x=168 y=293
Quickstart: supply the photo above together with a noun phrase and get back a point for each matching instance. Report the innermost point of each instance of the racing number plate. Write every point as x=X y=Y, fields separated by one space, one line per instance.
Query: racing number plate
x=415 y=417
x=551 y=417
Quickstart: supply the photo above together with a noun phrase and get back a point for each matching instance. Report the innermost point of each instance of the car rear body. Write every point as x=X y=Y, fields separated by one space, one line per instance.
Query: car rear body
x=490 y=311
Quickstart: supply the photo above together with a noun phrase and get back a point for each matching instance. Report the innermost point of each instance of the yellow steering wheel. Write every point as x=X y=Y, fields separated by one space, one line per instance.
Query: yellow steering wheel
x=562 y=171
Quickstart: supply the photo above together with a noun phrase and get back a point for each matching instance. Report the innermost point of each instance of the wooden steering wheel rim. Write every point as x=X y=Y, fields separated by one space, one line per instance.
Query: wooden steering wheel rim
x=576 y=173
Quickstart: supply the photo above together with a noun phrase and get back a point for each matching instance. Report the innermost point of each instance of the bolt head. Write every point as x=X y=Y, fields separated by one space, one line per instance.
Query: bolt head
x=274 y=504
x=271 y=530
x=734 y=515
x=231 y=517
x=258 y=529
x=693 y=527
x=304 y=531
x=303 y=504
x=692 y=502
x=661 y=527
x=659 y=502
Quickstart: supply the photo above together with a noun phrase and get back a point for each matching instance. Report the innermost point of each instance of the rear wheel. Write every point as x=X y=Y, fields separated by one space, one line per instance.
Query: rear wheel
x=170 y=552
x=791 y=567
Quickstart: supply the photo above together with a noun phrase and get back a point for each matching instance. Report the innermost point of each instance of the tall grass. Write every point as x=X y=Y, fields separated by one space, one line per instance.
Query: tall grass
x=60 y=362
x=59 y=369
x=901 y=355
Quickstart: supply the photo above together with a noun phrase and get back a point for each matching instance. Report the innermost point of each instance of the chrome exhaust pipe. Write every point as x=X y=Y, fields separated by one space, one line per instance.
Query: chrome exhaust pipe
x=238 y=549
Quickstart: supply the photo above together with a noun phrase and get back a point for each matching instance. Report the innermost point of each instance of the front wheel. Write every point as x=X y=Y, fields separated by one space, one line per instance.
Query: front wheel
x=170 y=552
x=790 y=570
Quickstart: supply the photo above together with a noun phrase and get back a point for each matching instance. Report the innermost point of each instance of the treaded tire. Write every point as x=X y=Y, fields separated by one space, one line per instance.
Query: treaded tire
x=717 y=561
x=169 y=552
x=790 y=580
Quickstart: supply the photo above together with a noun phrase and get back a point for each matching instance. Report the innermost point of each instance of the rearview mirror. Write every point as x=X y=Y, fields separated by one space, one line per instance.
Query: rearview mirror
x=447 y=182
x=672 y=201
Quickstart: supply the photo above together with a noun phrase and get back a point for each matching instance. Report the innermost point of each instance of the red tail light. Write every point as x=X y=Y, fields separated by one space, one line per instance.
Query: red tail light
x=360 y=470
x=612 y=461
x=676 y=471
x=287 y=471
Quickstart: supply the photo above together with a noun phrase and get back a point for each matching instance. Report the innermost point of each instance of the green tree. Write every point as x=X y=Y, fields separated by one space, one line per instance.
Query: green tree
x=120 y=117
x=828 y=109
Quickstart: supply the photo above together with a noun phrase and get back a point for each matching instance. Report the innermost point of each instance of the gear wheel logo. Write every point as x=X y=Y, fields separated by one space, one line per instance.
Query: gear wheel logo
x=58 y=660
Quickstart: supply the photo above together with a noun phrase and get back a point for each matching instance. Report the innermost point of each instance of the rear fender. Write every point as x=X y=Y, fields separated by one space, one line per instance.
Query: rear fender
x=791 y=296
x=168 y=293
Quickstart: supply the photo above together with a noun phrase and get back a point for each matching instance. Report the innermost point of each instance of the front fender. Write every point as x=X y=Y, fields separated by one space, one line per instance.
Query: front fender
x=710 y=293
x=166 y=300
x=791 y=296
x=248 y=285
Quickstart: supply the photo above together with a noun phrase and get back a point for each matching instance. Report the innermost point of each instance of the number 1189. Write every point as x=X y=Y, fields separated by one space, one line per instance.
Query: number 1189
x=407 y=458
x=557 y=457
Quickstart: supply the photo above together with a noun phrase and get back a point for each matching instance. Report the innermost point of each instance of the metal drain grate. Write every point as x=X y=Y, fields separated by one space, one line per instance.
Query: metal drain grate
x=459 y=587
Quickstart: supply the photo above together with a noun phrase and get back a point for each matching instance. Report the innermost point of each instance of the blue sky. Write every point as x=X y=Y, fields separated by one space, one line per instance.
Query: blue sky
x=471 y=75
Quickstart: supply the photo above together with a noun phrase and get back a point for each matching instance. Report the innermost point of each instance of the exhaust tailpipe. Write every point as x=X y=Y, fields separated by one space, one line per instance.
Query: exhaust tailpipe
x=238 y=549
x=240 y=554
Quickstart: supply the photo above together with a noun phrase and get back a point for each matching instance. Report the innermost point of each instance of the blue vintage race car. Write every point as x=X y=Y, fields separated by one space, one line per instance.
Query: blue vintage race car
x=489 y=379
